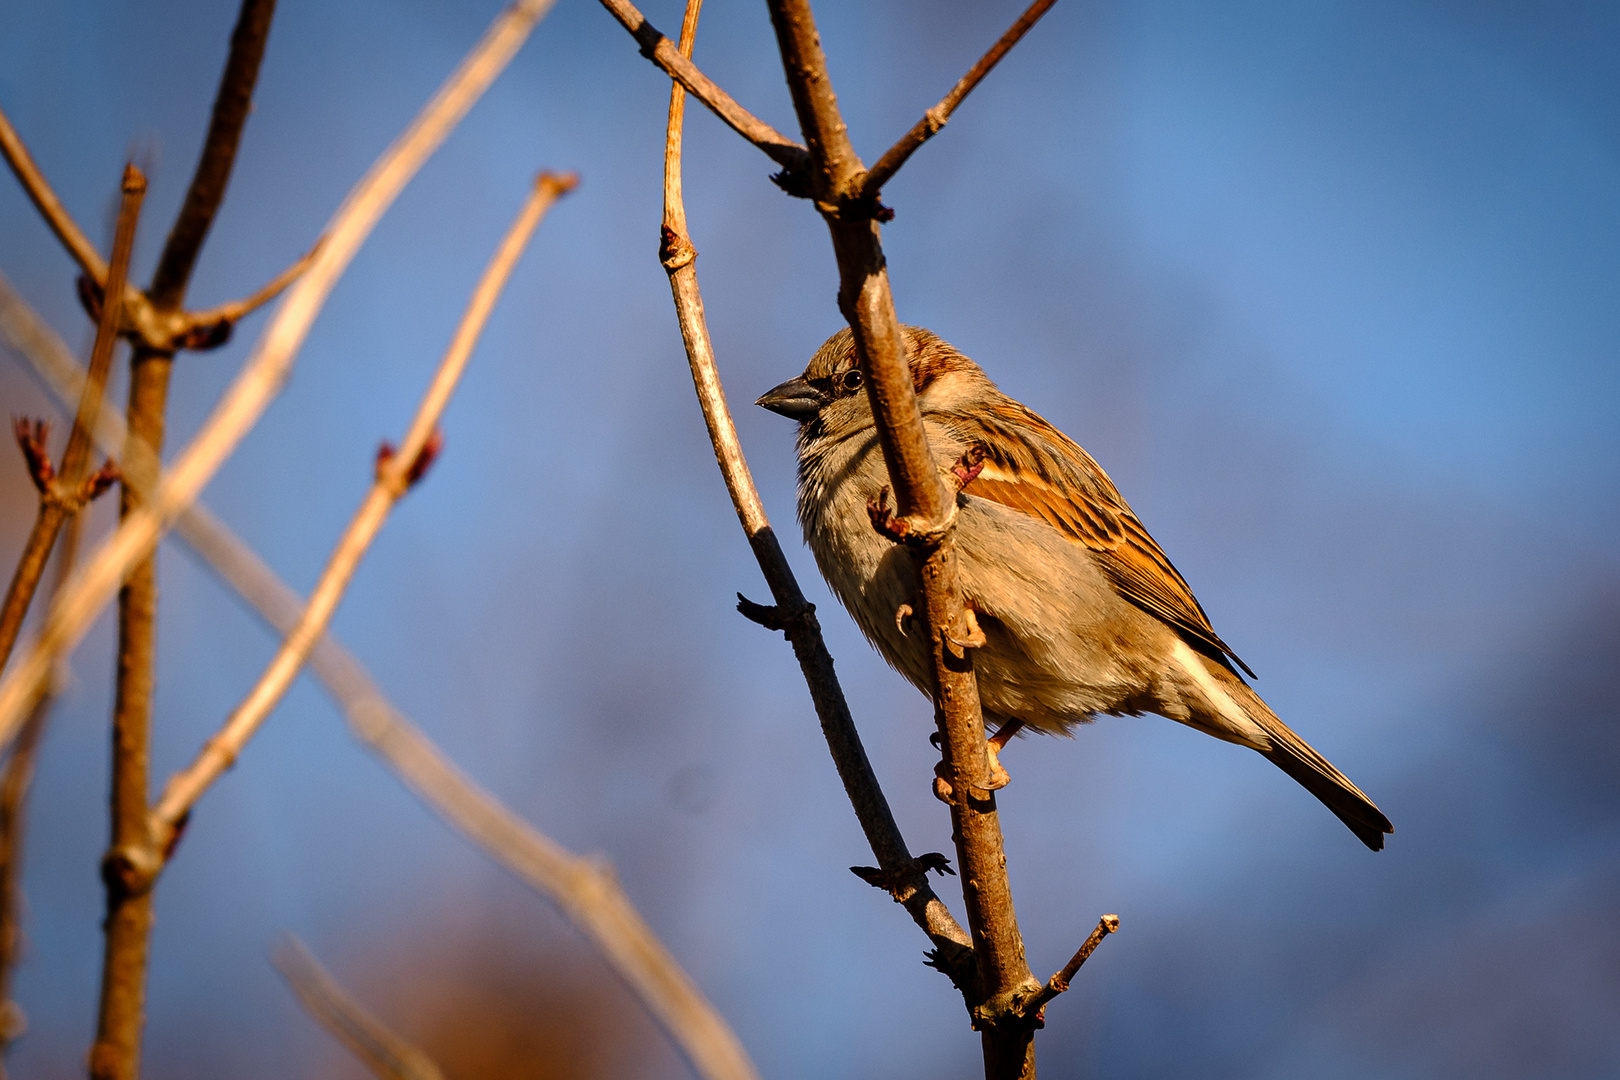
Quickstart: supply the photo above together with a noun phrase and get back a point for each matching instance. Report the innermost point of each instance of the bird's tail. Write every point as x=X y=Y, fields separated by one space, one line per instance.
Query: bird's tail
x=1294 y=756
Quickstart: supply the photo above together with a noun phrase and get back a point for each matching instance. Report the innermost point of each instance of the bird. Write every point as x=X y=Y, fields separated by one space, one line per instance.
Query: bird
x=1079 y=612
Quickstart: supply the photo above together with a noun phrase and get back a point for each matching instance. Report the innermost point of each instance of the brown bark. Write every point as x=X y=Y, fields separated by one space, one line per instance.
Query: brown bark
x=904 y=877
x=62 y=494
x=935 y=119
x=131 y=864
x=866 y=301
x=232 y=103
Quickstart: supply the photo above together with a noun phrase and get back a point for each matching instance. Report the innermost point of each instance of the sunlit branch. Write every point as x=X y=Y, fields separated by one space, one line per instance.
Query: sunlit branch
x=267 y=368
x=936 y=118
x=395 y=475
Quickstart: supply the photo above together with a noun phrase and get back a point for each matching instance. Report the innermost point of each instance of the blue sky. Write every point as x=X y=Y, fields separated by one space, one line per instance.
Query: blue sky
x=1330 y=291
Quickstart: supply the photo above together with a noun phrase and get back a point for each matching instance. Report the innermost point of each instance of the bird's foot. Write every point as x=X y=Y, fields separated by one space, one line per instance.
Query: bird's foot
x=967 y=468
x=993 y=746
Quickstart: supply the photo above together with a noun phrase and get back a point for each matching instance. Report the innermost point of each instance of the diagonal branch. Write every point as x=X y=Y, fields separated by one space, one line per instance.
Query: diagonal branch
x=583 y=888
x=384 y=1053
x=206 y=329
x=14 y=787
x=661 y=51
x=578 y=886
x=267 y=368
x=936 y=118
x=232 y=104
x=61 y=496
x=45 y=201
x=906 y=879
x=396 y=472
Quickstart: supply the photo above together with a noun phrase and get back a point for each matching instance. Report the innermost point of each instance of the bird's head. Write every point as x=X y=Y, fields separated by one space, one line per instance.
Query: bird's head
x=829 y=395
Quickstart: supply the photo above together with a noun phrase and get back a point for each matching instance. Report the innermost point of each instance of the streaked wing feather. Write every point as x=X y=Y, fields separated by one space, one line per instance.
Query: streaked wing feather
x=1053 y=479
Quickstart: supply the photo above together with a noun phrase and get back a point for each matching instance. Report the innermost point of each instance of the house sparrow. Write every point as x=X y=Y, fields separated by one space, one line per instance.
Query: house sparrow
x=1079 y=610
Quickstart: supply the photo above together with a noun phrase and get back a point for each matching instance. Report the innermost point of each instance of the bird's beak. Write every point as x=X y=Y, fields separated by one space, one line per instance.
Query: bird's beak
x=794 y=399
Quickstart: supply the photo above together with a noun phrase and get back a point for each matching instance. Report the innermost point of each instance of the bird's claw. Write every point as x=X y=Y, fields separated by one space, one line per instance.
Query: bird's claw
x=975 y=637
x=967 y=468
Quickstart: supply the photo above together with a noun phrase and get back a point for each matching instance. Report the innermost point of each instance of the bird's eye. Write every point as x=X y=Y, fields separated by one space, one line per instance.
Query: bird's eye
x=851 y=380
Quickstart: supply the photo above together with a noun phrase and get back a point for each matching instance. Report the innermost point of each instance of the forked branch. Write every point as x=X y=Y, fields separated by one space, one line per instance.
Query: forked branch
x=267 y=368
x=396 y=472
x=233 y=100
x=677 y=64
x=936 y=118
x=62 y=491
x=905 y=878
x=584 y=889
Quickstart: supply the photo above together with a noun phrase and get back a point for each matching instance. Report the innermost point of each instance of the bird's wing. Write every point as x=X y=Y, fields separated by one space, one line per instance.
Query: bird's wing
x=1033 y=467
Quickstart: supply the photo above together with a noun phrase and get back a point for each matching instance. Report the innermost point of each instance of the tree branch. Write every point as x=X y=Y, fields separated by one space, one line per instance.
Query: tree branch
x=267 y=368
x=906 y=881
x=384 y=1053
x=232 y=103
x=1059 y=982
x=45 y=201
x=14 y=788
x=210 y=328
x=936 y=118
x=576 y=885
x=661 y=51
x=396 y=472
x=928 y=511
x=62 y=495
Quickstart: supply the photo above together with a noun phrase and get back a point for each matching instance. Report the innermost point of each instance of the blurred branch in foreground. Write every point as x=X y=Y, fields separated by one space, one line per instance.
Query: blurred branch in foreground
x=396 y=473
x=386 y=1054
x=266 y=370
x=583 y=888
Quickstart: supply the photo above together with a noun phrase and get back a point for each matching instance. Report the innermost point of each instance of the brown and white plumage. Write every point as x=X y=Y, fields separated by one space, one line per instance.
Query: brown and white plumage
x=1082 y=611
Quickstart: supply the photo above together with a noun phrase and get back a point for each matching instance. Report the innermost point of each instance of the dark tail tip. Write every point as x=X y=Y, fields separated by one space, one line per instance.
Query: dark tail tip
x=1334 y=789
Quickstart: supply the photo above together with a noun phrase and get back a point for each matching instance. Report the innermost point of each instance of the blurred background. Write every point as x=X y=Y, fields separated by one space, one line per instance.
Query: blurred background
x=1330 y=290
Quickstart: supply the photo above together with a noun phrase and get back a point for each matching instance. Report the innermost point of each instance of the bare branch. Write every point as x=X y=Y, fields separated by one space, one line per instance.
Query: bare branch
x=212 y=328
x=266 y=370
x=661 y=51
x=232 y=103
x=60 y=495
x=384 y=1053
x=904 y=879
x=936 y=118
x=45 y=201
x=392 y=481
x=573 y=884
x=14 y=788
x=77 y=455
x=927 y=512
x=1059 y=982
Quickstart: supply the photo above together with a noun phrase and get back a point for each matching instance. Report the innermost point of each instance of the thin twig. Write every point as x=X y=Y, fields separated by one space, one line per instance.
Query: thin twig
x=1059 y=982
x=867 y=303
x=905 y=879
x=936 y=118
x=574 y=884
x=233 y=101
x=267 y=368
x=384 y=1053
x=14 y=788
x=45 y=201
x=60 y=497
x=661 y=51
x=208 y=323
x=395 y=475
